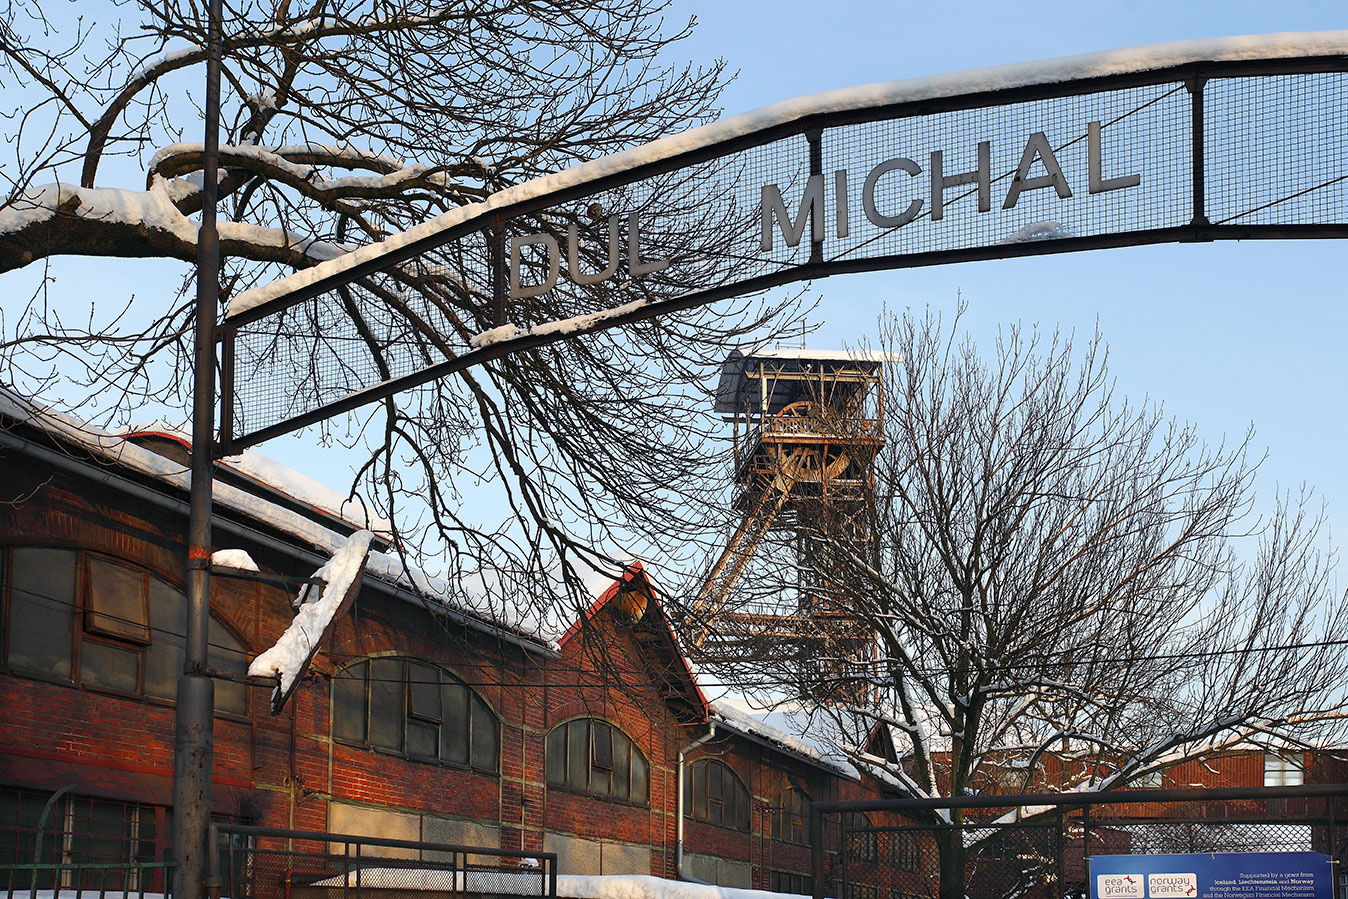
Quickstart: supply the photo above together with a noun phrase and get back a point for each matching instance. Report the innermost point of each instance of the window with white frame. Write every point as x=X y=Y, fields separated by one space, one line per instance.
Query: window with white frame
x=1284 y=769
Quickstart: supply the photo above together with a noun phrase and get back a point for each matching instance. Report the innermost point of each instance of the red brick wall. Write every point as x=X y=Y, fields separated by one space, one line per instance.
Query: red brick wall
x=282 y=771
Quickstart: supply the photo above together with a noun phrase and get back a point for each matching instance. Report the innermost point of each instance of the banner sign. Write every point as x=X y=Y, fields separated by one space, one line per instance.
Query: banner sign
x=1218 y=875
x=1215 y=141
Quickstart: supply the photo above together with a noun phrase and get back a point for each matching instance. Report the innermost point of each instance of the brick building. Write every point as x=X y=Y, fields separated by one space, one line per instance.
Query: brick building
x=445 y=726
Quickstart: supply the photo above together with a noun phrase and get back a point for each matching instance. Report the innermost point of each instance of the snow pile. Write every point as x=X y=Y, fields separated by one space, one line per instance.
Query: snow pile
x=1037 y=231
x=569 y=886
x=495 y=335
x=151 y=209
x=292 y=652
x=872 y=96
x=234 y=558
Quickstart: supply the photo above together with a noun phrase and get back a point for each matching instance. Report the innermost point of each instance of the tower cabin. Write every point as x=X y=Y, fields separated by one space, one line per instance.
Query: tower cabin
x=807 y=425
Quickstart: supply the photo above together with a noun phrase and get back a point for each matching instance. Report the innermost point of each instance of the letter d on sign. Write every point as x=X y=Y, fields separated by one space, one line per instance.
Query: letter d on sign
x=554 y=265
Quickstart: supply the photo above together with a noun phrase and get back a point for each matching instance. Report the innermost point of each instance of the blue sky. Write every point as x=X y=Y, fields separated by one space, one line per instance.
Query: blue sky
x=1226 y=335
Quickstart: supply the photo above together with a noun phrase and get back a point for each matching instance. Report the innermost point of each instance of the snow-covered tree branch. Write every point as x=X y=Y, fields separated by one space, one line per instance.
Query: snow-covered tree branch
x=1066 y=590
x=346 y=121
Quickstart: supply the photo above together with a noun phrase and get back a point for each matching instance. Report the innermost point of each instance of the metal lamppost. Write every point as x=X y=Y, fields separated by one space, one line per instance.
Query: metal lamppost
x=194 y=738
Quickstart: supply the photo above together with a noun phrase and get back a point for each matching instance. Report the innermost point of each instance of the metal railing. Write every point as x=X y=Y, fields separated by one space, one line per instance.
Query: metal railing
x=271 y=863
x=81 y=880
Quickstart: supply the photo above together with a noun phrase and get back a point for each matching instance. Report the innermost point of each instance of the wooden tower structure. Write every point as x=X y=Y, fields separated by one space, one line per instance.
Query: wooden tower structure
x=807 y=426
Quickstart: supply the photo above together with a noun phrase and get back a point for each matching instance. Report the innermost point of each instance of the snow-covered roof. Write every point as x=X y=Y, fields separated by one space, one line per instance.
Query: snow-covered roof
x=513 y=621
x=345 y=550
x=734 y=389
x=276 y=478
x=813 y=746
x=1151 y=57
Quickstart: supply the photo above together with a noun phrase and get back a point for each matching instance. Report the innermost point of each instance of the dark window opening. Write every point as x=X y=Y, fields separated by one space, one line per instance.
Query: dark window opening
x=77 y=617
x=713 y=793
x=790 y=882
x=593 y=756
x=790 y=817
x=414 y=709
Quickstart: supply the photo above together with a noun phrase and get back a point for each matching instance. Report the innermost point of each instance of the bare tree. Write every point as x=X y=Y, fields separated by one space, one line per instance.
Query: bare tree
x=1067 y=590
x=347 y=121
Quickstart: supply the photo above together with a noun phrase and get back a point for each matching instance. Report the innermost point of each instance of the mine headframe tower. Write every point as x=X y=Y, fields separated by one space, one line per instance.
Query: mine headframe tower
x=807 y=426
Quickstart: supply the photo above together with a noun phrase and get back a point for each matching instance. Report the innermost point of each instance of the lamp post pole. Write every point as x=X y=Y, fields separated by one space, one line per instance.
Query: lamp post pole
x=194 y=737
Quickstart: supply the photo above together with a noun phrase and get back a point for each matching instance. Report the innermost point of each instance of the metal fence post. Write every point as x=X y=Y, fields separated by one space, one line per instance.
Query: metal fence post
x=816 y=850
x=1062 y=853
x=213 y=861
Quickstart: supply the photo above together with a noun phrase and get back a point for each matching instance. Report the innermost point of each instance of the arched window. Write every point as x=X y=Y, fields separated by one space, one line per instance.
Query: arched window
x=80 y=617
x=593 y=756
x=414 y=709
x=860 y=836
x=904 y=852
x=712 y=793
x=790 y=817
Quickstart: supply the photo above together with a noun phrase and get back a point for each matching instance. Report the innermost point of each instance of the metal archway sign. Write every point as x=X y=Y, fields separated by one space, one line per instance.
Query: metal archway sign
x=1232 y=138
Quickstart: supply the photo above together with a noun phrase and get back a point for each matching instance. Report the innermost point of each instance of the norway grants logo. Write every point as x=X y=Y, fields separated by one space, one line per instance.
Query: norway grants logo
x=1119 y=886
x=1172 y=886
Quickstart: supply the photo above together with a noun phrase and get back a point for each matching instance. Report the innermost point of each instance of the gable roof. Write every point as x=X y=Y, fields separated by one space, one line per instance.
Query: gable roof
x=633 y=597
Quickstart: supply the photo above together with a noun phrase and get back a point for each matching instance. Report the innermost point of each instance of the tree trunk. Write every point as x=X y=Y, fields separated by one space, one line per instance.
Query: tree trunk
x=950 y=848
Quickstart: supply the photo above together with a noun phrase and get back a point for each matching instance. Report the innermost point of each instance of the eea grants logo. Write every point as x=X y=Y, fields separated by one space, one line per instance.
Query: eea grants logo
x=1172 y=886
x=1119 y=886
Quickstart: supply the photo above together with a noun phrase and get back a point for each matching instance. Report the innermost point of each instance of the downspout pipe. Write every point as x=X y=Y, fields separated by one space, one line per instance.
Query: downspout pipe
x=678 y=846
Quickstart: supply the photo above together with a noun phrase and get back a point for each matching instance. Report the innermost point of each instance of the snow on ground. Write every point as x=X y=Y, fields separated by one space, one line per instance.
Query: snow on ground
x=569 y=886
x=317 y=606
x=1051 y=71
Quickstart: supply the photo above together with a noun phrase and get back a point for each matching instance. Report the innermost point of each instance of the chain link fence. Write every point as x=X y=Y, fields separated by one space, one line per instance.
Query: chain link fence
x=1038 y=846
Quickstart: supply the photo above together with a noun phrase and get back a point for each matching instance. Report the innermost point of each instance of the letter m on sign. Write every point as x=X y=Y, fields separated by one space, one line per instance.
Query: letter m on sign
x=811 y=210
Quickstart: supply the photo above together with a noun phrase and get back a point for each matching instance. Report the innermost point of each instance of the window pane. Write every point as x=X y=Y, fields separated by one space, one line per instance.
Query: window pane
x=622 y=768
x=601 y=743
x=423 y=740
x=164 y=658
x=118 y=601
x=556 y=750
x=640 y=780
x=348 y=703
x=386 y=704
x=454 y=731
x=484 y=735
x=578 y=754
x=42 y=610
x=423 y=683
x=700 y=790
x=226 y=653
x=110 y=667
